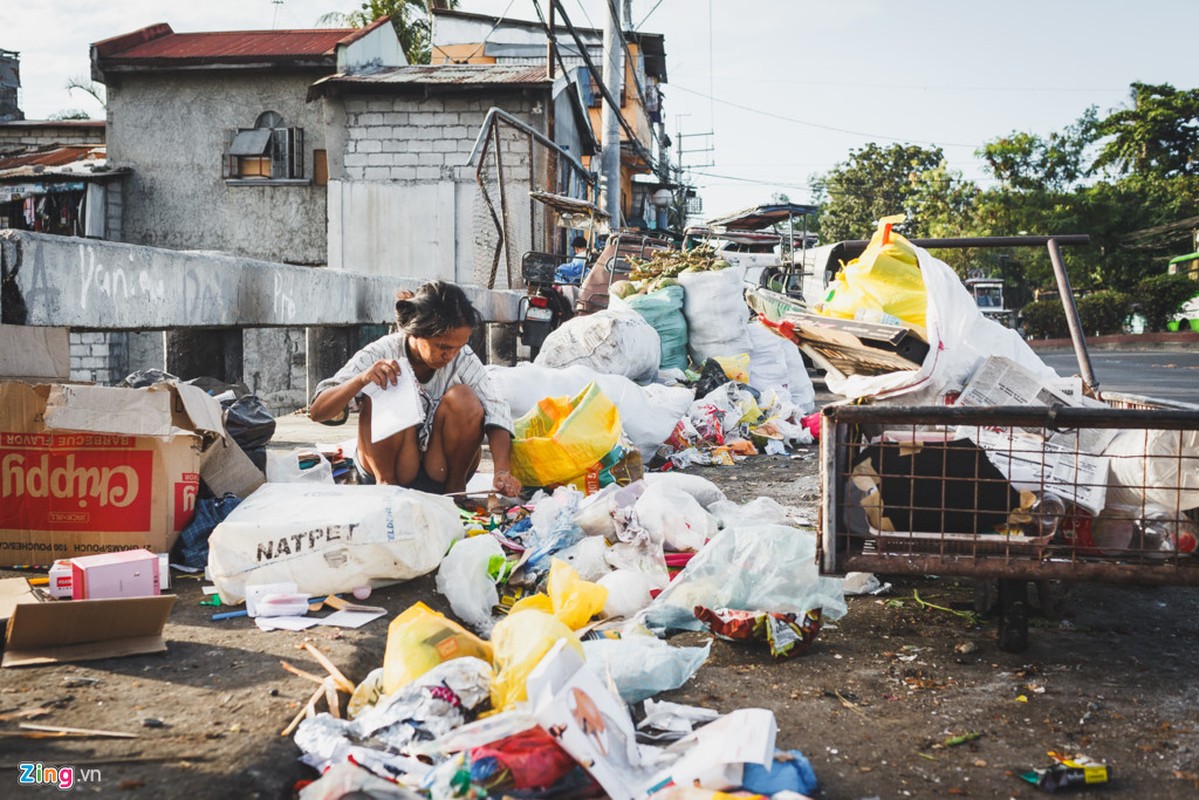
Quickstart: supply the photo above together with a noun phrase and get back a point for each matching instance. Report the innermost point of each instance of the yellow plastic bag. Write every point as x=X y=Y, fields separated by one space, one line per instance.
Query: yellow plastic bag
x=562 y=437
x=736 y=368
x=420 y=639
x=520 y=641
x=570 y=598
x=883 y=284
x=575 y=600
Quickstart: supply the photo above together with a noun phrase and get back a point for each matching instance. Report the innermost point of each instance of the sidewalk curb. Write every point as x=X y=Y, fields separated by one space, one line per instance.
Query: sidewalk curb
x=1145 y=341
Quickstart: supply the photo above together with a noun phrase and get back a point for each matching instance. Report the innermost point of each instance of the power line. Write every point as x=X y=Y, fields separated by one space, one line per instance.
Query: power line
x=920 y=87
x=782 y=118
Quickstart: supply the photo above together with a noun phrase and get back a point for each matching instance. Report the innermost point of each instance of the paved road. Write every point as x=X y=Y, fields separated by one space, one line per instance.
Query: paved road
x=1165 y=374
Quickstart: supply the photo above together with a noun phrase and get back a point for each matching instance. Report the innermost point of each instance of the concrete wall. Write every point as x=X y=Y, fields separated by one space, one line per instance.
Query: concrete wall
x=170 y=128
x=403 y=200
x=32 y=135
x=132 y=308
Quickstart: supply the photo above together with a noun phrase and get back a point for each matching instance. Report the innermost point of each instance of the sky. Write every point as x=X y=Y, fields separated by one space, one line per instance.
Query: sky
x=785 y=89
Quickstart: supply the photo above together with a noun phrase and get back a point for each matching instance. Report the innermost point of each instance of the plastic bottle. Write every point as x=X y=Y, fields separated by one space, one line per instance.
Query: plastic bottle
x=1047 y=512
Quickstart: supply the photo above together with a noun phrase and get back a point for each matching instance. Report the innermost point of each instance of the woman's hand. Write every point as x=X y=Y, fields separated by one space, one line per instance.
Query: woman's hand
x=383 y=373
x=506 y=484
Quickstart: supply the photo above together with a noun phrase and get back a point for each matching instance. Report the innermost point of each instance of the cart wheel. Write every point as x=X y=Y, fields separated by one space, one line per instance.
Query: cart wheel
x=1013 y=616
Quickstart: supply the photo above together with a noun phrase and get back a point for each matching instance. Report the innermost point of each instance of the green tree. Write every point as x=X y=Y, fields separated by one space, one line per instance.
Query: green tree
x=876 y=182
x=1157 y=136
x=409 y=18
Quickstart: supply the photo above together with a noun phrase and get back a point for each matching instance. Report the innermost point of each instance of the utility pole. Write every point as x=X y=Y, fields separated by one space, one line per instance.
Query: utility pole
x=610 y=117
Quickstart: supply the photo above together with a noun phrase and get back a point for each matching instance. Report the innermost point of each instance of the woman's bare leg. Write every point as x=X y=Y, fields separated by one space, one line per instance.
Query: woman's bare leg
x=456 y=440
x=394 y=460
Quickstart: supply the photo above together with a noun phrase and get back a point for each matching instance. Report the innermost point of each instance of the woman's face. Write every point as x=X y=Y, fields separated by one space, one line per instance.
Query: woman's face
x=438 y=351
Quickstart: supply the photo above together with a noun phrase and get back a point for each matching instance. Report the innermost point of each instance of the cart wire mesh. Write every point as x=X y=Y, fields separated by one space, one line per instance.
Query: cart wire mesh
x=1013 y=492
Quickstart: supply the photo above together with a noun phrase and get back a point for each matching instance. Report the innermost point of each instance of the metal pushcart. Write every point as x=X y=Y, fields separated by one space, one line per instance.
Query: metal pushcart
x=1015 y=494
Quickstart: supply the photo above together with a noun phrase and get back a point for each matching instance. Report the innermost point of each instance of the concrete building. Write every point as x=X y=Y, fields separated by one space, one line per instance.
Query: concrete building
x=225 y=150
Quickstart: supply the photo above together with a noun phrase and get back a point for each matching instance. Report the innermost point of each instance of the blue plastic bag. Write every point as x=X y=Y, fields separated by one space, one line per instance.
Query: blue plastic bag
x=790 y=771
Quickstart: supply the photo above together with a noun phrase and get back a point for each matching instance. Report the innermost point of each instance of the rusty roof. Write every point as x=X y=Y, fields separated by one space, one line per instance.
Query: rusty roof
x=160 y=46
x=64 y=162
x=57 y=157
x=450 y=75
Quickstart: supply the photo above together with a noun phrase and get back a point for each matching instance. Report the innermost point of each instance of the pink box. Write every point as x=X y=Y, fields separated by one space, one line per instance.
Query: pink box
x=129 y=573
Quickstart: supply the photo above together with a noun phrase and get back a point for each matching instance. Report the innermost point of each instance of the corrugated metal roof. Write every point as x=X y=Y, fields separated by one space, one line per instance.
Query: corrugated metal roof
x=236 y=45
x=57 y=157
x=449 y=74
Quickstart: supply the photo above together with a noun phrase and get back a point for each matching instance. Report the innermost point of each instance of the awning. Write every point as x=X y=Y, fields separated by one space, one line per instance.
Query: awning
x=250 y=143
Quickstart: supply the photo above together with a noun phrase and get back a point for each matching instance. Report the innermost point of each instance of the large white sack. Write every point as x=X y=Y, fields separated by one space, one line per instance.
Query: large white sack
x=803 y=393
x=329 y=539
x=960 y=338
x=717 y=316
x=1154 y=466
x=616 y=341
x=648 y=414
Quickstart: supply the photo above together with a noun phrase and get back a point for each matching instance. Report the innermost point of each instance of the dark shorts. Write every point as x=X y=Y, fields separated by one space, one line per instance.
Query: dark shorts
x=423 y=482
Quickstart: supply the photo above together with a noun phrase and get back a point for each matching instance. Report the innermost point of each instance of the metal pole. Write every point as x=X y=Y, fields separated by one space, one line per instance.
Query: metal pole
x=1072 y=320
x=610 y=160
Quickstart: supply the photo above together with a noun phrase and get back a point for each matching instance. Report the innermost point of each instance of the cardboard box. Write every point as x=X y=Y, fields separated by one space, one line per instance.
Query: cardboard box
x=131 y=573
x=35 y=352
x=91 y=469
x=81 y=630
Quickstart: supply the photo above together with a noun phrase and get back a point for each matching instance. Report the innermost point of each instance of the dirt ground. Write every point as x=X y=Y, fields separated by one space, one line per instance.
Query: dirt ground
x=1112 y=672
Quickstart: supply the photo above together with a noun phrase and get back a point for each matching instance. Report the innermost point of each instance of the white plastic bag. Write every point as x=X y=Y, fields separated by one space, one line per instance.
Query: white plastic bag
x=751 y=567
x=717 y=316
x=329 y=539
x=767 y=362
x=285 y=468
x=674 y=517
x=643 y=666
x=615 y=341
x=648 y=414
x=703 y=490
x=464 y=580
x=628 y=592
x=960 y=338
x=1164 y=463
x=799 y=383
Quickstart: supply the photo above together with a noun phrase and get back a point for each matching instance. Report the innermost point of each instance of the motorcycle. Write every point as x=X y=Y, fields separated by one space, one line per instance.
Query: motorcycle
x=544 y=306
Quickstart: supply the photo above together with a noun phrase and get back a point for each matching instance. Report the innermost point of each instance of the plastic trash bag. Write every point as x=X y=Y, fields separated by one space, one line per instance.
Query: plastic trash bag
x=464 y=579
x=192 y=547
x=527 y=760
x=674 y=518
x=285 y=467
x=575 y=600
x=330 y=538
x=586 y=556
x=643 y=666
x=789 y=772
x=251 y=424
x=703 y=490
x=628 y=592
x=960 y=338
x=663 y=310
x=1159 y=467
x=751 y=566
x=562 y=437
x=647 y=413
x=716 y=312
x=419 y=639
x=882 y=285
x=616 y=341
x=519 y=641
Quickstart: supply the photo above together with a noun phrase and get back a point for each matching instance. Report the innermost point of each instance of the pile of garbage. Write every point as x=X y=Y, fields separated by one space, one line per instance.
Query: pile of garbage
x=544 y=682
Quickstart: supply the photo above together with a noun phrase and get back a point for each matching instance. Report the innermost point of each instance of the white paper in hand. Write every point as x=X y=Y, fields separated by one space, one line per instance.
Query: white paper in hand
x=397 y=407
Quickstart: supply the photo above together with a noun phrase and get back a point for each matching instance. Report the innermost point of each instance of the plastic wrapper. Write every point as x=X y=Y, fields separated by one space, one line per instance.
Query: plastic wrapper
x=464 y=579
x=420 y=639
x=349 y=780
x=643 y=666
x=749 y=566
x=527 y=760
x=786 y=634
x=553 y=527
x=519 y=642
x=429 y=707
